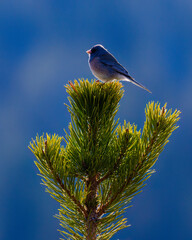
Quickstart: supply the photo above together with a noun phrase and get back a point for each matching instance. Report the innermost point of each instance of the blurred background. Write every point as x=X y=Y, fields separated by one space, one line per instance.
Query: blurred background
x=42 y=47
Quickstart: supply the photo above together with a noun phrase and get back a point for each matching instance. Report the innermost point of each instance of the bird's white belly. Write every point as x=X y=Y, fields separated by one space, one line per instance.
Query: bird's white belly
x=99 y=75
x=107 y=77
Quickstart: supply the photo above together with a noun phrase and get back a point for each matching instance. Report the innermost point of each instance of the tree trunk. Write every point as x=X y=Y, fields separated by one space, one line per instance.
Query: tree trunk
x=91 y=204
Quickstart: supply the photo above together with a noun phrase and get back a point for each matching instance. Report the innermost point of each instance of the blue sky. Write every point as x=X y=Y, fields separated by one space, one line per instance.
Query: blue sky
x=42 y=47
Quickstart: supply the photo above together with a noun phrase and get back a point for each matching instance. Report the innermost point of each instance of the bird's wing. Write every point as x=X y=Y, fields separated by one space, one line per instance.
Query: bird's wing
x=109 y=60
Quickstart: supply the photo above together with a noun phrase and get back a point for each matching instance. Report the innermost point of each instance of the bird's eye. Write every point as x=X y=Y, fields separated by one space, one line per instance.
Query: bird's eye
x=93 y=50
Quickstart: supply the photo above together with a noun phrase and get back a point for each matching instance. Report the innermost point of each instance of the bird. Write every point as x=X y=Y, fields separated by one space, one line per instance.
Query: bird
x=106 y=68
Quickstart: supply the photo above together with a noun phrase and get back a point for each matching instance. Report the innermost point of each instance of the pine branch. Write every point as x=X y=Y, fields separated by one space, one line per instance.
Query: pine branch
x=118 y=162
x=103 y=208
x=111 y=199
x=81 y=209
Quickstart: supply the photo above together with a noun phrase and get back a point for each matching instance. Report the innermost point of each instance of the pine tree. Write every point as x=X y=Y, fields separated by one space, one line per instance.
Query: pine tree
x=102 y=165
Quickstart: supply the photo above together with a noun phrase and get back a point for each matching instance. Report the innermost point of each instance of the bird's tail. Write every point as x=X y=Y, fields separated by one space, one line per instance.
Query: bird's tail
x=130 y=79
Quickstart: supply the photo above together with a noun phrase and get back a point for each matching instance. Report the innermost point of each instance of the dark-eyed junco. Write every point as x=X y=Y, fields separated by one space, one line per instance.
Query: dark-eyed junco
x=105 y=67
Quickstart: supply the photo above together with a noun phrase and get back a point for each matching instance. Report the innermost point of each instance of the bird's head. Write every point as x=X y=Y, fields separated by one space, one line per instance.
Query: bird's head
x=96 y=50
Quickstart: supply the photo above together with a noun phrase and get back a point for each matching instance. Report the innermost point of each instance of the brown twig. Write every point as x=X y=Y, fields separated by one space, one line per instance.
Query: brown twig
x=71 y=84
x=81 y=177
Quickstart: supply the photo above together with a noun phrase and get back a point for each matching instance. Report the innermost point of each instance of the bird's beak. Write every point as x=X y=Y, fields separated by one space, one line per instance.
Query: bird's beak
x=88 y=51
